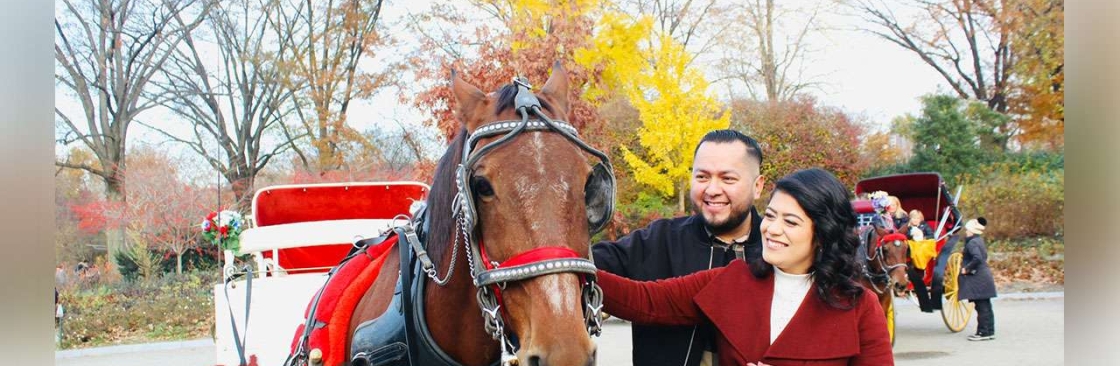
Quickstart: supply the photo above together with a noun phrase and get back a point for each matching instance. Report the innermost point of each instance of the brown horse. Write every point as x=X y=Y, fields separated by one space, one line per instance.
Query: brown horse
x=886 y=258
x=536 y=190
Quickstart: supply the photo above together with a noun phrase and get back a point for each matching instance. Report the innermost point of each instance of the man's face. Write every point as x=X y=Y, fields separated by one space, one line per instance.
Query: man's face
x=725 y=181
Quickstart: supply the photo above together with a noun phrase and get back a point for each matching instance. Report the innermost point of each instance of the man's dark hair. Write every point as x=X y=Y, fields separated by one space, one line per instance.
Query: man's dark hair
x=729 y=135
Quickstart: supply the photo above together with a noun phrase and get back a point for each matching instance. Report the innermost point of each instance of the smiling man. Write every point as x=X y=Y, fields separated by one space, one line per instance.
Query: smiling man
x=725 y=183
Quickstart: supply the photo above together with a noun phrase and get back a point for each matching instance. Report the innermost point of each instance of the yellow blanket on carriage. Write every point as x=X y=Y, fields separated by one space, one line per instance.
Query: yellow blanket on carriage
x=921 y=251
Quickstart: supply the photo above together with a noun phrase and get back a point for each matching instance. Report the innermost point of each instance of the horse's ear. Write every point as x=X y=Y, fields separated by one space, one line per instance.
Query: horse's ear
x=556 y=88
x=468 y=98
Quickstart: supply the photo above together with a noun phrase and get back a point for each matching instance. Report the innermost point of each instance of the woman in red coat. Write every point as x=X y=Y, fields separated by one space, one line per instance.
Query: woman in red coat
x=800 y=304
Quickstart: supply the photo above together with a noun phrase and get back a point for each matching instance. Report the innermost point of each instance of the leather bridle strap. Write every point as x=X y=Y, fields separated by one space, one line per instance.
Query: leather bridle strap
x=534 y=263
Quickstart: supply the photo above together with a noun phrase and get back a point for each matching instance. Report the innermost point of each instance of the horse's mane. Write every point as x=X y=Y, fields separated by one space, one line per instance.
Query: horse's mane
x=442 y=225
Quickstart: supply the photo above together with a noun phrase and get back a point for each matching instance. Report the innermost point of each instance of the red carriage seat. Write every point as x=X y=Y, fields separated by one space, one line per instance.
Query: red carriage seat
x=330 y=203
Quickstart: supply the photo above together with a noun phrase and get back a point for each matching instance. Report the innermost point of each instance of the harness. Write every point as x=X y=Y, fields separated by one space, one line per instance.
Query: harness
x=488 y=276
x=876 y=252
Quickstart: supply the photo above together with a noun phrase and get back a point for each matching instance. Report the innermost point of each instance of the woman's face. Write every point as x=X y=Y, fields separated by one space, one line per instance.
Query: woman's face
x=787 y=234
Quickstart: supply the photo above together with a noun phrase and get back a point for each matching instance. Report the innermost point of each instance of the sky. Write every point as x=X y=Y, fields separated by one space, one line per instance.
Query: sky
x=860 y=74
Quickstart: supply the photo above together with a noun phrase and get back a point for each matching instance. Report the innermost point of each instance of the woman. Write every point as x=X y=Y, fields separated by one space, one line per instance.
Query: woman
x=976 y=282
x=897 y=213
x=799 y=304
x=917 y=228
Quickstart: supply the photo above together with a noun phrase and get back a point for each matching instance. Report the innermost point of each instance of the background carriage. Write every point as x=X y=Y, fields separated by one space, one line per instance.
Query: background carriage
x=934 y=263
x=299 y=233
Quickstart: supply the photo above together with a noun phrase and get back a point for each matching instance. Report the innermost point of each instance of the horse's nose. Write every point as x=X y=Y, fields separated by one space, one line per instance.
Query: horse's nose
x=538 y=360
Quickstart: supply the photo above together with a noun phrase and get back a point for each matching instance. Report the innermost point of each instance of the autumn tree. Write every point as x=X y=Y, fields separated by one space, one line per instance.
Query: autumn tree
x=106 y=54
x=326 y=48
x=235 y=102
x=1037 y=99
x=979 y=47
x=163 y=211
x=670 y=97
x=801 y=134
x=879 y=150
x=74 y=188
x=518 y=38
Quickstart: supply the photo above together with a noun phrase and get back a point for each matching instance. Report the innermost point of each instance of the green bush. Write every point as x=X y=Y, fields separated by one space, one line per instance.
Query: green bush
x=171 y=307
x=1021 y=197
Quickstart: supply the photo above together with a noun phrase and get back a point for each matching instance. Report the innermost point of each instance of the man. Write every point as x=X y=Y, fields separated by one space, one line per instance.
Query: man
x=724 y=185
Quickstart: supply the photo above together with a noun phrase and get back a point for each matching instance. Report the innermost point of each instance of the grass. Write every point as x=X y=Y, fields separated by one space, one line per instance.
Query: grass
x=1028 y=265
x=173 y=307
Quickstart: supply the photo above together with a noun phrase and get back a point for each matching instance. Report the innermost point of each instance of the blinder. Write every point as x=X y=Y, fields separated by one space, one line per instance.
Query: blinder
x=599 y=197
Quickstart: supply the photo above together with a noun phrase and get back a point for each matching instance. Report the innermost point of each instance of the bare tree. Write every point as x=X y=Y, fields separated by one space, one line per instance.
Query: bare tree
x=235 y=104
x=106 y=53
x=700 y=26
x=325 y=44
x=966 y=41
x=769 y=68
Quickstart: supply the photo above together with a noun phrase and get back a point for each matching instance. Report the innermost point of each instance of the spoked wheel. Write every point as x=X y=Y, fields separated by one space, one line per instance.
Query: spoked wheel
x=954 y=311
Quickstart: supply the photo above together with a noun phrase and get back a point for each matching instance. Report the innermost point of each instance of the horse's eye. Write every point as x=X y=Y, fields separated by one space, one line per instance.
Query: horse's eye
x=482 y=187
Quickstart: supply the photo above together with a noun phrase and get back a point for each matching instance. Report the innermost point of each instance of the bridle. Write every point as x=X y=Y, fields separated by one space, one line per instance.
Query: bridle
x=491 y=277
x=877 y=253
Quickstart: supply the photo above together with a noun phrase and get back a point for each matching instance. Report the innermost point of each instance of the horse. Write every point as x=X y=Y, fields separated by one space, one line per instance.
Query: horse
x=885 y=261
x=508 y=191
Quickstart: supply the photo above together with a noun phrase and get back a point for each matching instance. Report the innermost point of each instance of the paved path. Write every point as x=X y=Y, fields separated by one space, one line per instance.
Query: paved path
x=1030 y=329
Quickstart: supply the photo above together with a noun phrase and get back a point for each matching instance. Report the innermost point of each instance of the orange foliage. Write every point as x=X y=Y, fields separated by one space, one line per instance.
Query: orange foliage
x=800 y=134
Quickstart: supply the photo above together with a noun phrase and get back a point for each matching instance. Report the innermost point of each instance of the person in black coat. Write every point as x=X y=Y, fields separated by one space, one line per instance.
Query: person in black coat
x=724 y=185
x=976 y=281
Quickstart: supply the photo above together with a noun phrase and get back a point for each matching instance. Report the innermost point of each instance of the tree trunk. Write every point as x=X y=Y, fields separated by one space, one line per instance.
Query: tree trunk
x=178 y=262
x=114 y=234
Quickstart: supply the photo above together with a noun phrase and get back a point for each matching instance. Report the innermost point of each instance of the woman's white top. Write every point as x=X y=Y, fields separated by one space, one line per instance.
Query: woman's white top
x=789 y=291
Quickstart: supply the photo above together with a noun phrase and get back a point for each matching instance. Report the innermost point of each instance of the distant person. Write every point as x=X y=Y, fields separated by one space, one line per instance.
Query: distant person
x=897 y=213
x=60 y=275
x=917 y=228
x=800 y=303
x=976 y=282
x=724 y=225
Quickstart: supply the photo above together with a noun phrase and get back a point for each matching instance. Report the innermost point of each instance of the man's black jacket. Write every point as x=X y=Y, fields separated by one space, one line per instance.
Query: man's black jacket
x=670 y=248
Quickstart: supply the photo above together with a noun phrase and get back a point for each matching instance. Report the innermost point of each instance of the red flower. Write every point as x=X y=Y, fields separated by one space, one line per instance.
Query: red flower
x=223 y=230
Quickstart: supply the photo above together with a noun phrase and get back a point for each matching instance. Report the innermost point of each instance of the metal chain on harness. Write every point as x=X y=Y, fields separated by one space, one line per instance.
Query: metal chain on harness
x=593 y=311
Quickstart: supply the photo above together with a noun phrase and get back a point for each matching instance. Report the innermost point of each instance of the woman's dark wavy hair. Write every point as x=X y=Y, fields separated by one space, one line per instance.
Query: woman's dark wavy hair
x=828 y=203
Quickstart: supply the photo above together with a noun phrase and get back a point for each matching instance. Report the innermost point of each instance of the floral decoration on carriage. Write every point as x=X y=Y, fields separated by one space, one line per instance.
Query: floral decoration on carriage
x=223 y=229
x=879 y=201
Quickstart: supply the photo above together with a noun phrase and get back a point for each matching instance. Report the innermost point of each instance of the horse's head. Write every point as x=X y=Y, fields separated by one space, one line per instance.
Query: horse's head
x=534 y=193
x=889 y=252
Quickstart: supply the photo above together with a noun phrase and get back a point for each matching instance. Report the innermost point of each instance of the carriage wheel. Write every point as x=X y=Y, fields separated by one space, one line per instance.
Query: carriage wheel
x=890 y=316
x=954 y=311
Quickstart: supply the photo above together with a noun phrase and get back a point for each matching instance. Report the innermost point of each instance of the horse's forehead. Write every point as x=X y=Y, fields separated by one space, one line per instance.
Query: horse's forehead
x=536 y=152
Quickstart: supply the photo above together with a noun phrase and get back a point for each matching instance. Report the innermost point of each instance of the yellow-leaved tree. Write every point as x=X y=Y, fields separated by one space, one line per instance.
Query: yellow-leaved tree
x=671 y=97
